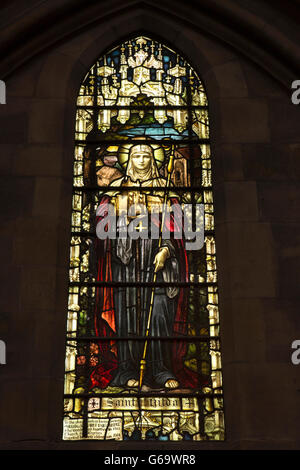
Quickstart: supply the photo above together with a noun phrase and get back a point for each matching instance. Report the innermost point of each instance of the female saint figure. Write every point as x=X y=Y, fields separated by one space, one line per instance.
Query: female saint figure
x=122 y=311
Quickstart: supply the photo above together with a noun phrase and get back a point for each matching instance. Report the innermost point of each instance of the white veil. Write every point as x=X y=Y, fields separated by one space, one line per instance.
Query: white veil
x=150 y=174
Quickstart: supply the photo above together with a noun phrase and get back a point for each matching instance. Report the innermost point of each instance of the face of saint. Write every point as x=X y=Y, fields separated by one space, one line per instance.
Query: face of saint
x=141 y=161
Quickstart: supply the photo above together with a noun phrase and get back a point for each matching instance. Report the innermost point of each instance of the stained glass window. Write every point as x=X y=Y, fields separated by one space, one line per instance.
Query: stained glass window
x=143 y=357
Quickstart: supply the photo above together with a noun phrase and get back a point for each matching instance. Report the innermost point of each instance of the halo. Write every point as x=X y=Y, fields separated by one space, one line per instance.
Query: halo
x=124 y=149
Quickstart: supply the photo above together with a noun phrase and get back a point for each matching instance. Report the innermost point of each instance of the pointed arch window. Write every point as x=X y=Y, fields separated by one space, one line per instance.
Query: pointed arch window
x=143 y=347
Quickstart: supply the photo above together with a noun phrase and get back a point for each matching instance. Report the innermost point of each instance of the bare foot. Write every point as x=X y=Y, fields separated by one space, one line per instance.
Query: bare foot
x=171 y=383
x=132 y=383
